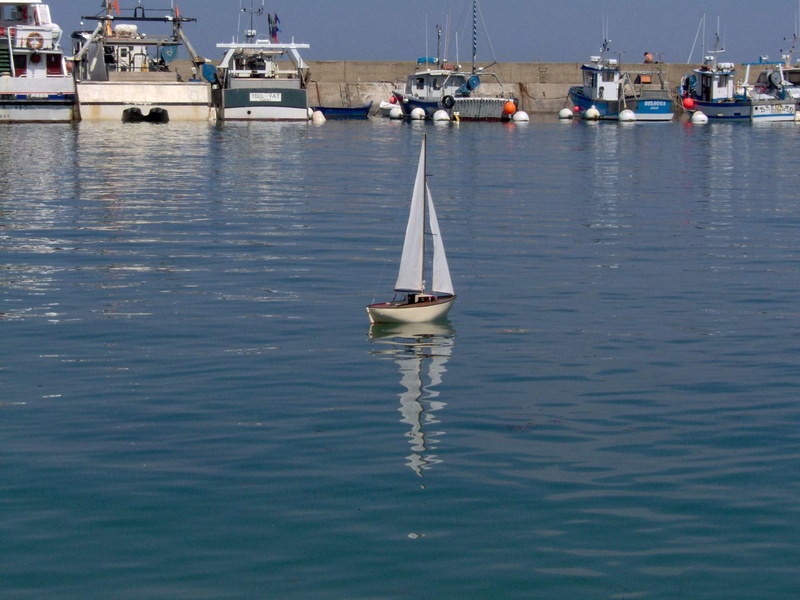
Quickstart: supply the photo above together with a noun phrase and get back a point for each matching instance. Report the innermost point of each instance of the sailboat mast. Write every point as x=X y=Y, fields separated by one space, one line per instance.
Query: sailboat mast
x=424 y=202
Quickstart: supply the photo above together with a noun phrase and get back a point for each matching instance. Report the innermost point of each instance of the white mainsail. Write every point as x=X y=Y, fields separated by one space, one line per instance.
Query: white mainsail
x=409 y=279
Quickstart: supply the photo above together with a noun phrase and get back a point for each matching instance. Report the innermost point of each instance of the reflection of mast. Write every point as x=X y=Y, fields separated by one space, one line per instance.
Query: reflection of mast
x=413 y=347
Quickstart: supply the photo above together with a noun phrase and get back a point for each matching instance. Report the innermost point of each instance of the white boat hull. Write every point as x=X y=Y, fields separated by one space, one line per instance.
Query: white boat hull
x=107 y=100
x=35 y=113
x=265 y=113
x=28 y=100
x=419 y=312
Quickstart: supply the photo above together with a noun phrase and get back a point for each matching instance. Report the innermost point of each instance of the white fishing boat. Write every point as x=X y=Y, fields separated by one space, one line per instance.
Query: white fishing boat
x=436 y=85
x=124 y=74
x=36 y=84
x=412 y=302
x=261 y=79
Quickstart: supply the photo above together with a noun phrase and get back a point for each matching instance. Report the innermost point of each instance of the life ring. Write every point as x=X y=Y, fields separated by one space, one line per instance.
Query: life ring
x=448 y=102
x=35 y=41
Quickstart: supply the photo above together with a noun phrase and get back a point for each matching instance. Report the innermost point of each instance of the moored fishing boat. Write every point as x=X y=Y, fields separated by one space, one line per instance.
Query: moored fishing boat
x=35 y=80
x=712 y=90
x=610 y=91
x=261 y=79
x=436 y=85
x=124 y=74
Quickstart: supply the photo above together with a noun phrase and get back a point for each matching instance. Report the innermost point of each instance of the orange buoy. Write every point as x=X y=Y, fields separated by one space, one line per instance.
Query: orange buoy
x=509 y=108
x=688 y=103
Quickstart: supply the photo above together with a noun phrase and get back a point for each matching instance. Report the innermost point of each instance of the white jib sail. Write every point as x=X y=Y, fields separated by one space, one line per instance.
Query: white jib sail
x=409 y=279
x=441 y=282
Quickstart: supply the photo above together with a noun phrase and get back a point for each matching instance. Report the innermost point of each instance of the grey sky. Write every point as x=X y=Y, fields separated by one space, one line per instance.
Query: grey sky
x=518 y=30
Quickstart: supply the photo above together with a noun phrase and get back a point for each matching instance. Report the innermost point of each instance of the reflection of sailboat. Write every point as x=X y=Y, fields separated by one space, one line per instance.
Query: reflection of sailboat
x=413 y=347
x=415 y=305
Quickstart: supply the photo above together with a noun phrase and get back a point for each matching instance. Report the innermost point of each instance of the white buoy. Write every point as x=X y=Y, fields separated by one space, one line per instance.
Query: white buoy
x=699 y=118
x=418 y=114
x=520 y=117
x=396 y=112
x=441 y=115
x=318 y=117
x=565 y=113
x=591 y=114
x=627 y=116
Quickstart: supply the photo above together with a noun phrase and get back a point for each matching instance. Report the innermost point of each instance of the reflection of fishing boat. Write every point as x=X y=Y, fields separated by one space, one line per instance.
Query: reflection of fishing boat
x=261 y=79
x=118 y=68
x=421 y=351
x=415 y=304
x=35 y=84
x=345 y=112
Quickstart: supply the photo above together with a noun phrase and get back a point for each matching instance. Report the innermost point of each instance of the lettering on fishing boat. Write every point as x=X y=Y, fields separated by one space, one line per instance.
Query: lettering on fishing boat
x=265 y=97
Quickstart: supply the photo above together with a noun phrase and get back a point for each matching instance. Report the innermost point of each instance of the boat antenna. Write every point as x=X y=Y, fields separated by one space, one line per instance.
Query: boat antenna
x=606 y=42
x=426 y=37
x=250 y=34
x=439 y=46
x=474 y=33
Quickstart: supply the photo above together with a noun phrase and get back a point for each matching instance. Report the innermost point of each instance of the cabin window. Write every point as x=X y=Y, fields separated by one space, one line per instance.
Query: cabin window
x=722 y=82
x=11 y=13
x=608 y=76
x=420 y=83
x=437 y=84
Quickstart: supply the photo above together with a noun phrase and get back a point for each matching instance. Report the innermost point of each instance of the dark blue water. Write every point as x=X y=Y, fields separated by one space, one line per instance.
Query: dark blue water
x=192 y=403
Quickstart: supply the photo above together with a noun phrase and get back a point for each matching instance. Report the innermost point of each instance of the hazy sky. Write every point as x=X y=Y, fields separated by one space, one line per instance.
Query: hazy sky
x=518 y=30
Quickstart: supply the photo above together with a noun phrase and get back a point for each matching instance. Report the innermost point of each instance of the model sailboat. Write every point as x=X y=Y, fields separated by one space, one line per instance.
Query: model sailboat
x=412 y=302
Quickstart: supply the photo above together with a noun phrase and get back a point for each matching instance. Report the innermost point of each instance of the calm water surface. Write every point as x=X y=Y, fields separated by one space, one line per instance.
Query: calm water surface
x=192 y=403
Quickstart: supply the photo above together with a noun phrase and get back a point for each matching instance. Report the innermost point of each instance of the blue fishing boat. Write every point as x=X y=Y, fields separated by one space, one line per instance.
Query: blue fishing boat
x=712 y=90
x=610 y=91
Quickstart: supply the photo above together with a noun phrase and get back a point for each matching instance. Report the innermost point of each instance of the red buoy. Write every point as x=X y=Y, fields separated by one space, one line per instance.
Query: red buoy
x=688 y=103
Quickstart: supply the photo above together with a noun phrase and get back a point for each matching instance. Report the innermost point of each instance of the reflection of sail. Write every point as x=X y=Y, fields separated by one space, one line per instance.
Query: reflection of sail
x=414 y=347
